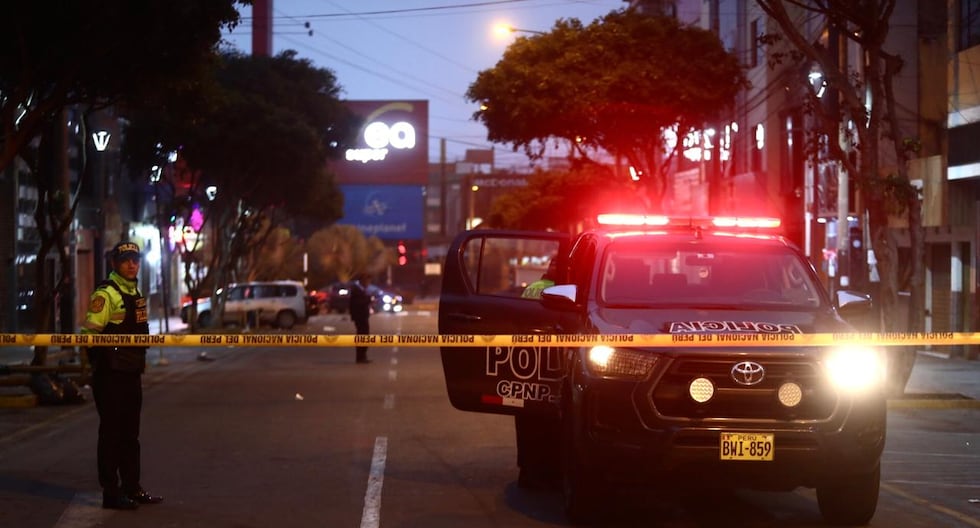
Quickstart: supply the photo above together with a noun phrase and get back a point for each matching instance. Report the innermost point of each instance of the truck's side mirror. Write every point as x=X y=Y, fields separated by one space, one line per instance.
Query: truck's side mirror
x=560 y=297
x=853 y=306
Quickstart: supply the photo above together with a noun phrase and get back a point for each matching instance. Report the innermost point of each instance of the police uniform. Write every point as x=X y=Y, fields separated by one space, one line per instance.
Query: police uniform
x=533 y=290
x=117 y=307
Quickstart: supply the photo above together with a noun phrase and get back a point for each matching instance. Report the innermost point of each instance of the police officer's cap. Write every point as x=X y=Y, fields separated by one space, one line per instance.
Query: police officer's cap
x=125 y=250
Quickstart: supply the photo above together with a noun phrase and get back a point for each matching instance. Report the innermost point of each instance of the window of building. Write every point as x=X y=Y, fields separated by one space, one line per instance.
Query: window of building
x=969 y=26
x=754 y=46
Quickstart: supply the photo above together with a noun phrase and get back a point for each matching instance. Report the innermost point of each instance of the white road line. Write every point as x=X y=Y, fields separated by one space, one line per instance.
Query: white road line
x=392 y=375
x=371 y=516
x=394 y=360
x=85 y=510
x=389 y=402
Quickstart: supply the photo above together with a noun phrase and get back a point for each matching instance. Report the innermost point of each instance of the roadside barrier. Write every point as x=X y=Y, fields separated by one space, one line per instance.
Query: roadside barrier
x=675 y=340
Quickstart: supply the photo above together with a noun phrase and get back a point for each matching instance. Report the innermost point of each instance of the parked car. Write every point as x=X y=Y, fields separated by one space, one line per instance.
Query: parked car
x=622 y=415
x=279 y=303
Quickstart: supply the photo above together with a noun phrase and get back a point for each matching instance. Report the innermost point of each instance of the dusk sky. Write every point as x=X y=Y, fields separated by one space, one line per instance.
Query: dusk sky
x=415 y=49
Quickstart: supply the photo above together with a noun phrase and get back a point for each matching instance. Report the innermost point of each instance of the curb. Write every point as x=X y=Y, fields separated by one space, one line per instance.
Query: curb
x=934 y=401
x=18 y=401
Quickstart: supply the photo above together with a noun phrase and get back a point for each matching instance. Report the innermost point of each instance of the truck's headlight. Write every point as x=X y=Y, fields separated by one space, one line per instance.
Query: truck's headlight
x=855 y=368
x=620 y=362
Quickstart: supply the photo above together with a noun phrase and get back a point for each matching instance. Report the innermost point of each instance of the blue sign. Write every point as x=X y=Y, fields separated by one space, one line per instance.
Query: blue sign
x=389 y=212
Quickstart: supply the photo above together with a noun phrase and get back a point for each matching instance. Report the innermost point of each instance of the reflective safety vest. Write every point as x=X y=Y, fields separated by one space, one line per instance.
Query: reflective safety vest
x=128 y=315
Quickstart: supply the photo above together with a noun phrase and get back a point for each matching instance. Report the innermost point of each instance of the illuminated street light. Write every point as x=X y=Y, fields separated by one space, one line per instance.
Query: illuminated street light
x=503 y=30
x=472 y=220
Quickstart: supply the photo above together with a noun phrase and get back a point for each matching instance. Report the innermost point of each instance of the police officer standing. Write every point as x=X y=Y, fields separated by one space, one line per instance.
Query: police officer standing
x=118 y=307
x=360 y=310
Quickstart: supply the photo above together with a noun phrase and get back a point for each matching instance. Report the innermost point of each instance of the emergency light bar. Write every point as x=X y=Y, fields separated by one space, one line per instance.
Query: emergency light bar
x=632 y=220
x=614 y=219
x=757 y=223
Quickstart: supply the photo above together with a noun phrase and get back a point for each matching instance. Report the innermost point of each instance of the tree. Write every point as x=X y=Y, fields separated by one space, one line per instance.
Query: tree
x=341 y=251
x=560 y=200
x=867 y=101
x=58 y=56
x=260 y=131
x=625 y=84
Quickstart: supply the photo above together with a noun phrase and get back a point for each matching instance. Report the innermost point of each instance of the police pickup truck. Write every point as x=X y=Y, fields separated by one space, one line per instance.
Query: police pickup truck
x=616 y=414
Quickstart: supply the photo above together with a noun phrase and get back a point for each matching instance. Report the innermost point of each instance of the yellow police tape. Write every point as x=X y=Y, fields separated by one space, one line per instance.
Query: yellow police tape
x=462 y=340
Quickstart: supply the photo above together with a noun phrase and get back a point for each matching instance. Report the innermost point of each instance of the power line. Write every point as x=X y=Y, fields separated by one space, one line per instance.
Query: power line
x=416 y=44
x=360 y=54
x=358 y=14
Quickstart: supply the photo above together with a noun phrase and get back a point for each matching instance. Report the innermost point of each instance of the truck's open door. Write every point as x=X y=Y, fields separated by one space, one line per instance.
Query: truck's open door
x=484 y=277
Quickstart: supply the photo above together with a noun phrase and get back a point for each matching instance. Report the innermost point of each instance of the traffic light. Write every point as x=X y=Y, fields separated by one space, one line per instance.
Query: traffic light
x=402 y=253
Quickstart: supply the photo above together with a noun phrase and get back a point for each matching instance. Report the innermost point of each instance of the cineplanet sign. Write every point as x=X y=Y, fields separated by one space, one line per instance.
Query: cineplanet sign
x=380 y=137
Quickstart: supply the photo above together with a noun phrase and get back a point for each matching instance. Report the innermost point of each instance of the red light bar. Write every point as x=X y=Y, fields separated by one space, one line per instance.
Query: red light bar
x=632 y=220
x=758 y=223
x=636 y=220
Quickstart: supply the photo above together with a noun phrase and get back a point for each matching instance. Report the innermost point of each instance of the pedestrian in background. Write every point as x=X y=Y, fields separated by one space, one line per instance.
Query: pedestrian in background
x=360 y=310
x=117 y=307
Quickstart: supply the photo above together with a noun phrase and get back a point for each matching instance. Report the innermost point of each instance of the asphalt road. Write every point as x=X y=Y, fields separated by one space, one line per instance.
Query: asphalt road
x=304 y=437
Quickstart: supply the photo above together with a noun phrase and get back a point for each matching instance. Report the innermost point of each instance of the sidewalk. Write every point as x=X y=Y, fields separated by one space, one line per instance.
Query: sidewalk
x=944 y=376
x=22 y=355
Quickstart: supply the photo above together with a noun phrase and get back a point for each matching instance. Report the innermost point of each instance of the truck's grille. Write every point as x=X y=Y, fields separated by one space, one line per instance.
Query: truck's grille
x=731 y=400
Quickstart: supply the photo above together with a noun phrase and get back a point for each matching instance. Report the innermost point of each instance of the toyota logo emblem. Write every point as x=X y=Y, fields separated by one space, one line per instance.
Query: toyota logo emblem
x=748 y=373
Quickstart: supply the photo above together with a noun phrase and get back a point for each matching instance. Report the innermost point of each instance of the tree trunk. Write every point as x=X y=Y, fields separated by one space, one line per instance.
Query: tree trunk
x=902 y=359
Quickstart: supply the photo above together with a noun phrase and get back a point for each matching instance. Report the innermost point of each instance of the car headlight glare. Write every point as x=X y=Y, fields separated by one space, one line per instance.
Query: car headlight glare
x=855 y=368
x=620 y=362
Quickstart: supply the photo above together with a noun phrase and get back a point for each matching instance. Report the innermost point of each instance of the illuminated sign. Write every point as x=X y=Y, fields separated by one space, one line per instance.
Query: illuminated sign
x=101 y=140
x=389 y=212
x=379 y=136
x=391 y=147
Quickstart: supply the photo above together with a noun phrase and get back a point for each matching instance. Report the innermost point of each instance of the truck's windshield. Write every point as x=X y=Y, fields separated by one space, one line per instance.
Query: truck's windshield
x=699 y=274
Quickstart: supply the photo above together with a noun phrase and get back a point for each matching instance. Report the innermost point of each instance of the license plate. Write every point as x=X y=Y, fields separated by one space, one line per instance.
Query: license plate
x=747 y=446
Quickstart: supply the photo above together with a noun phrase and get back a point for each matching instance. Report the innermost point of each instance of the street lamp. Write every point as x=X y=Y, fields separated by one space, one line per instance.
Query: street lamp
x=472 y=221
x=504 y=30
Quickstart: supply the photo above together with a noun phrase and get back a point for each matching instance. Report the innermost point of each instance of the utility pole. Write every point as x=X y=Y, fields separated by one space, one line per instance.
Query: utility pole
x=442 y=186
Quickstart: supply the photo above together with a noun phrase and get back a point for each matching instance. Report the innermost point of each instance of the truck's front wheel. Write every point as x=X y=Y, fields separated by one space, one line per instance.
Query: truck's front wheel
x=850 y=500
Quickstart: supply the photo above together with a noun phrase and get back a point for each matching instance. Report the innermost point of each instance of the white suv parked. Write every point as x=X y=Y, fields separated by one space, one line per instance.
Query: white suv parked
x=280 y=303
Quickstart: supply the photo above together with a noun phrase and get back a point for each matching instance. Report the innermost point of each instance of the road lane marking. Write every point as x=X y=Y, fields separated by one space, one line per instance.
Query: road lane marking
x=389 y=402
x=934 y=483
x=84 y=511
x=962 y=517
x=945 y=455
x=371 y=516
x=392 y=375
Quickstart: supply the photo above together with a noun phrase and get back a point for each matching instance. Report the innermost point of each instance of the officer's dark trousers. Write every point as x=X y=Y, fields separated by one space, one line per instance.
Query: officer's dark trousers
x=362 y=327
x=118 y=398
